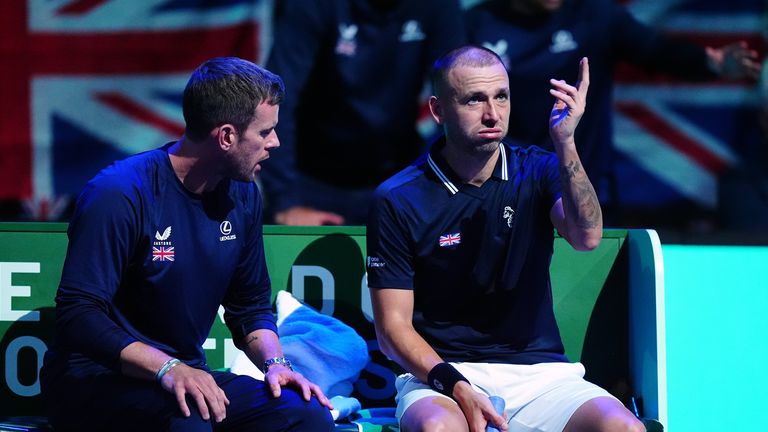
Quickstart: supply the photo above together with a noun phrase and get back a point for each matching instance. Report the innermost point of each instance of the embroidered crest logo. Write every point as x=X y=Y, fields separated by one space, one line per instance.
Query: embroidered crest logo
x=562 y=41
x=449 y=239
x=162 y=248
x=164 y=235
x=226 y=229
x=374 y=262
x=346 y=45
x=509 y=215
x=500 y=48
x=162 y=239
x=438 y=385
x=411 y=32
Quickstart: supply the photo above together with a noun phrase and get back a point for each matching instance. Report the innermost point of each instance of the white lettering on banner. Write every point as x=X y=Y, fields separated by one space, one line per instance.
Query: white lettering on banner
x=8 y=291
x=209 y=344
x=300 y=273
x=230 y=352
x=365 y=299
x=12 y=360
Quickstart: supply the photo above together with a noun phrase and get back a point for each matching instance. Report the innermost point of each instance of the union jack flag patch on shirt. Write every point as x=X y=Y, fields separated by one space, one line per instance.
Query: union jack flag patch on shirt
x=450 y=239
x=163 y=254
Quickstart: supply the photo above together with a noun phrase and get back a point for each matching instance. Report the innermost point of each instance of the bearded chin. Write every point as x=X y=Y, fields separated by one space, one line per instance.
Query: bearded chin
x=486 y=147
x=236 y=170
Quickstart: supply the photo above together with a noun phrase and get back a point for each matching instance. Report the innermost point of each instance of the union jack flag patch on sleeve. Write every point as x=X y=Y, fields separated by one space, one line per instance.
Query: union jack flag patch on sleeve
x=450 y=239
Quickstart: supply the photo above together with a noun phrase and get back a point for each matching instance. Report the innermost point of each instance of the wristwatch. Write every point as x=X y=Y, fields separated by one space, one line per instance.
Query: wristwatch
x=276 y=360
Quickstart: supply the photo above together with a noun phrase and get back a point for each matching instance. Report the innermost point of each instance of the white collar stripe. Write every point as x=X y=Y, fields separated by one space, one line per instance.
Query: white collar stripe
x=447 y=183
x=504 y=170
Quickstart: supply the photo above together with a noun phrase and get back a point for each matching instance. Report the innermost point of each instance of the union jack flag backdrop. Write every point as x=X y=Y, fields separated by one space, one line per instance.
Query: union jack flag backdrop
x=85 y=82
x=674 y=138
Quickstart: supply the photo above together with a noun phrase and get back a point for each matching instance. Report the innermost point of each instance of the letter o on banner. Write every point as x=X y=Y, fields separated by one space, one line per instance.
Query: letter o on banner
x=11 y=365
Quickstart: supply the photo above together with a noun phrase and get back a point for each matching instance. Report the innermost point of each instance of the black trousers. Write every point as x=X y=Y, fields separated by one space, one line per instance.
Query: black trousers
x=111 y=402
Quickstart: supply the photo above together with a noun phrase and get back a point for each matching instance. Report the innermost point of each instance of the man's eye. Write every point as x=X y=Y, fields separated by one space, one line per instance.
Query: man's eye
x=473 y=101
x=265 y=133
x=502 y=97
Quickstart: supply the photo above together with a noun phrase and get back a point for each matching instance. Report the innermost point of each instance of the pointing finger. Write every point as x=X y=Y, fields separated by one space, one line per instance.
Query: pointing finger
x=583 y=83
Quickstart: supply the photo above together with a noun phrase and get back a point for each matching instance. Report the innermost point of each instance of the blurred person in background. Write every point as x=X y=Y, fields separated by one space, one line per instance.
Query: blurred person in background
x=743 y=189
x=354 y=71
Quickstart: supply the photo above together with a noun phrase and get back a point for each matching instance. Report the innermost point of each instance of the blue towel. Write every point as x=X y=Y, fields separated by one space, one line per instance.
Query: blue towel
x=343 y=407
x=498 y=405
x=322 y=348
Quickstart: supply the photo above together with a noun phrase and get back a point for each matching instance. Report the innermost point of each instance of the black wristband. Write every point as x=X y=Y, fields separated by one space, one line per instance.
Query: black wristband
x=443 y=377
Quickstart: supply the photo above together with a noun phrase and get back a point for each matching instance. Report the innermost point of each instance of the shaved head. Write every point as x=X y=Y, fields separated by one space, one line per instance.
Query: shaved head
x=468 y=56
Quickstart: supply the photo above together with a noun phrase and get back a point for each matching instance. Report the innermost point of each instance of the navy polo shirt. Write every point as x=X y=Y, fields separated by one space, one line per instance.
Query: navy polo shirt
x=477 y=258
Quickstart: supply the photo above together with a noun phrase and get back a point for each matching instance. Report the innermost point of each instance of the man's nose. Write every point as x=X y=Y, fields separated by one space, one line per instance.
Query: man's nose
x=491 y=113
x=274 y=143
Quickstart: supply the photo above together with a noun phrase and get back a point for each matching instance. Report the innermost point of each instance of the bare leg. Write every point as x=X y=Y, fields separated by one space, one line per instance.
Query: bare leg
x=434 y=414
x=603 y=414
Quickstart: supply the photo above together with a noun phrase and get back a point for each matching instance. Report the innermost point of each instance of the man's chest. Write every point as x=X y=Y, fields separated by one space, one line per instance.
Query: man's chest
x=179 y=237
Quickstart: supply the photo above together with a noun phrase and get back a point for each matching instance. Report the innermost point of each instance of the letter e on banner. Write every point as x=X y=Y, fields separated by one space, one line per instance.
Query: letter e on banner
x=8 y=291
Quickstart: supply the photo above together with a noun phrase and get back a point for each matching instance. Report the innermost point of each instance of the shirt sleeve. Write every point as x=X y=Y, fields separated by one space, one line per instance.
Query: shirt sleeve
x=390 y=257
x=247 y=304
x=298 y=35
x=549 y=177
x=103 y=235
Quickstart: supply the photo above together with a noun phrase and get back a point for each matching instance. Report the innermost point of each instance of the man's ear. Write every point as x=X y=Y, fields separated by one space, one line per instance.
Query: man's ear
x=436 y=109
x=225 y=136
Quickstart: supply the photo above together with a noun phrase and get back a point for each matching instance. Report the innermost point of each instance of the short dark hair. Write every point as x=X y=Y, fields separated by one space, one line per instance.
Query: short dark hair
x=227 y=90
x=468 y=55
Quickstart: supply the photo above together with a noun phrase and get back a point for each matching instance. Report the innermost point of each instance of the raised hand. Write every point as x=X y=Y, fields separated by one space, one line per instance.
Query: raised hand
x=569 y=105
x=734 y=61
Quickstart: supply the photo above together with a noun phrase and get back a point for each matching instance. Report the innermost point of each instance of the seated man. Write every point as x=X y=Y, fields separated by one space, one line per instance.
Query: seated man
x=157 y=242
x=459 y=248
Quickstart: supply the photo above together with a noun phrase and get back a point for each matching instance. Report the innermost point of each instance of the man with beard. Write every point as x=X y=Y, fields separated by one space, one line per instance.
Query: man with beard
x=157 y=242
x=459 y=246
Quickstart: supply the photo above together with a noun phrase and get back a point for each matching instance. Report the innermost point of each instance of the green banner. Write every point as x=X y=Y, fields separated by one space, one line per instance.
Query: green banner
x=323 y=266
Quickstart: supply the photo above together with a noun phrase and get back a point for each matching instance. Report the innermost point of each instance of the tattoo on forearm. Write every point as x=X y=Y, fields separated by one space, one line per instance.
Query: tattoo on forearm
x=581 y=200
x=251 y=339
x=570 y=171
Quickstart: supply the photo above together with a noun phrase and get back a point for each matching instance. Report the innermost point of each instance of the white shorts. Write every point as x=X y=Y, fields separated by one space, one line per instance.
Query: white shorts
x=539 y=397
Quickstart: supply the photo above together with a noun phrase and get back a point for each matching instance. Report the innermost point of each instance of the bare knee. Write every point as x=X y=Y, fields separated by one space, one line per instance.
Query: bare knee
x=442 y=424
x=622 y=423
x=437 y=414
x=604 y=415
